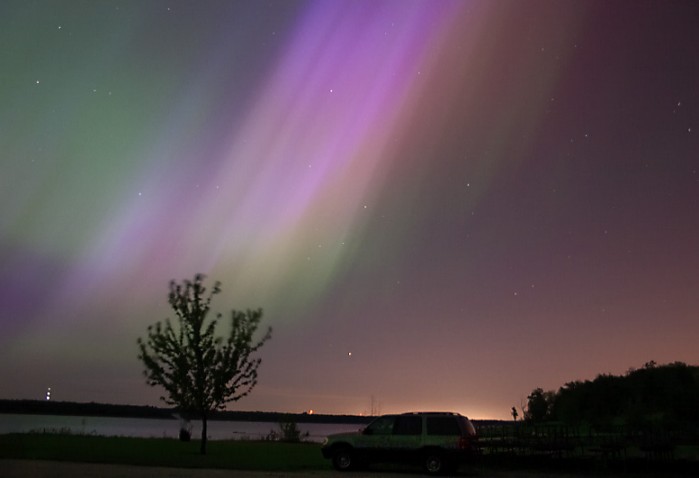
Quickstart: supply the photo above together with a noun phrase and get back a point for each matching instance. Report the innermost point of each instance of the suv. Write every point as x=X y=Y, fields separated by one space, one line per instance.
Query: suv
x=437 y=441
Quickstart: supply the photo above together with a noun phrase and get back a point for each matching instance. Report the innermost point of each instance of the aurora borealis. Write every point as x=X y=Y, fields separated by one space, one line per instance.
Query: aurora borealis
x=438 y=204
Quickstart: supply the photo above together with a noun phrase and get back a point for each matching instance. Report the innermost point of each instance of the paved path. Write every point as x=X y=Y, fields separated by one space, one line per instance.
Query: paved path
x=59 y=469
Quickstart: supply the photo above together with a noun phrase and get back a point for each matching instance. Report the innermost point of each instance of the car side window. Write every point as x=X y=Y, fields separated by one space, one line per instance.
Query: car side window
x=381 y=426
x=408 y=425
x=442 y=426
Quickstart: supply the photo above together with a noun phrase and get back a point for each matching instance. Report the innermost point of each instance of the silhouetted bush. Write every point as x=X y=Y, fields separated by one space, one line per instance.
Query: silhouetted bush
x=655 y=395
x=288 y=432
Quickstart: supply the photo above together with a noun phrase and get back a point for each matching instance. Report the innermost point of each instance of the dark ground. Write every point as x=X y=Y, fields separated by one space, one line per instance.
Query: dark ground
x=53 y=469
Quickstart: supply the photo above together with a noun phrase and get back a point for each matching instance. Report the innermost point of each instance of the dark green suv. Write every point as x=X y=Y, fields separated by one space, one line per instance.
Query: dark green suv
x=438 y=441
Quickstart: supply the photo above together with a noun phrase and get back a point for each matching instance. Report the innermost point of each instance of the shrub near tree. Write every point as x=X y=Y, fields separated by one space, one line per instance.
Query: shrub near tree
x=200 y=371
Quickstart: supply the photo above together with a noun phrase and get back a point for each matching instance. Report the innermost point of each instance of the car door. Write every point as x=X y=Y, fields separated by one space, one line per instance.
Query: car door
x=406 y=437
x=443 y=431
x=375 y=439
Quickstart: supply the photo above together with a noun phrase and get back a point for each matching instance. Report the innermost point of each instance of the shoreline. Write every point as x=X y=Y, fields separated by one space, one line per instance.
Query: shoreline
x=92 y=409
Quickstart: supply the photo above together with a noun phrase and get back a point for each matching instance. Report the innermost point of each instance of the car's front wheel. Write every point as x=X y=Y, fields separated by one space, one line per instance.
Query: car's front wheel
x=343 y=459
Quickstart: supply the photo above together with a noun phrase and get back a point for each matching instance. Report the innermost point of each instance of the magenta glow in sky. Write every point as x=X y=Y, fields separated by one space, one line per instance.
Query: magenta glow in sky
x=438 y=204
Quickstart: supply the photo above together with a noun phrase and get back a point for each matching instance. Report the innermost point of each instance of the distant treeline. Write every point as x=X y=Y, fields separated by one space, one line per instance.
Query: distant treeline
x=48 y=407
x=666 y=395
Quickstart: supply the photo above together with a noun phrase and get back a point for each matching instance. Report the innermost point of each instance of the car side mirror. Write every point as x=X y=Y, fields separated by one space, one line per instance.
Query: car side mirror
x=367 y=431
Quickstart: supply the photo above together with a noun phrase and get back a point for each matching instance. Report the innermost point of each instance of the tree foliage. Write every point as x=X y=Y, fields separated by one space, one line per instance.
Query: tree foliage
x=538 y=405
x=653 y=395
x=199 y=370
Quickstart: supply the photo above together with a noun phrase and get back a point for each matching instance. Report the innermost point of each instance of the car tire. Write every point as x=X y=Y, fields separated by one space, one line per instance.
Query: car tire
x=343 y=459
x=434 y=463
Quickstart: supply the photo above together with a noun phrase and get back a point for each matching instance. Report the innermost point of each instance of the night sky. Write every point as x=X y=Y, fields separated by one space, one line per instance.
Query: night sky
x=440 y=205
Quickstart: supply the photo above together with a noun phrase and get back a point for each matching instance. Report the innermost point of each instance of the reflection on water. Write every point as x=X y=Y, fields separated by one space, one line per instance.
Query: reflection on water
x=157 y=428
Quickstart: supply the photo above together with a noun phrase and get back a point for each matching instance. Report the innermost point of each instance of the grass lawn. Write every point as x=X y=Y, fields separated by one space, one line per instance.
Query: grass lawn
x=277 y=456
x=240 y=455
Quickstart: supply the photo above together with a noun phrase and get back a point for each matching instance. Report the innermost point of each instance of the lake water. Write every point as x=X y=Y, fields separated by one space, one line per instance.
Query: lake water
x=158 y=428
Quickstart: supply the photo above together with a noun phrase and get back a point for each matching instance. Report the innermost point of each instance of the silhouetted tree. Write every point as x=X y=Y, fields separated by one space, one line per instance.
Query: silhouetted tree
x=664 y=395
x=200 y=371
x=538 y=405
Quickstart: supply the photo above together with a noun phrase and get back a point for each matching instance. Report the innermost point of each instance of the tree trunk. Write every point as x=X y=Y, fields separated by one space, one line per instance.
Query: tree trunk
x=202 y=449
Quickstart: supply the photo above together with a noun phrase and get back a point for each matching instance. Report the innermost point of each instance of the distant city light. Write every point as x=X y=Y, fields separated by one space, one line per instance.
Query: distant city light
x=48 y=394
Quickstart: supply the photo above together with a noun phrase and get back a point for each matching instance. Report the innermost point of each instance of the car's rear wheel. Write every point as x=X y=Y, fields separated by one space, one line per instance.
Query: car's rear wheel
x=435 y=463
x=343 y=459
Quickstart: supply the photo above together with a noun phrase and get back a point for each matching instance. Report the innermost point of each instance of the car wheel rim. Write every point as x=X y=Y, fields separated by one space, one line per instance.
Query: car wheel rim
x=433 y=464
x=344 y=460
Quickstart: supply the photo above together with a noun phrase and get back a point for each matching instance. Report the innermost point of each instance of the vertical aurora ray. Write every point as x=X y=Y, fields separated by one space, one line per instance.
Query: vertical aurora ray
x=280 y=205
x=330 y=110
x=271 y=194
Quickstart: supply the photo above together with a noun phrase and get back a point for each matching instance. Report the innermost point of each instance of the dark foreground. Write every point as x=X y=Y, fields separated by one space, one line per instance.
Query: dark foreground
x=54 y=469
x=57 y=469
x=10 y=468
x=80 y=456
